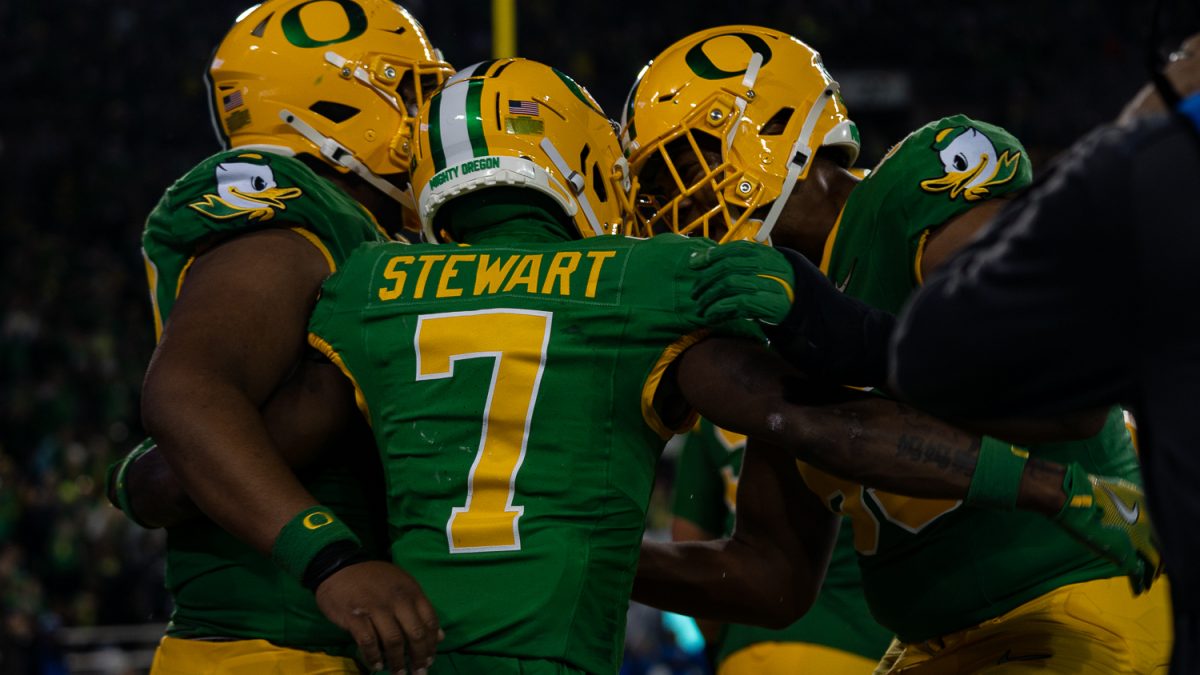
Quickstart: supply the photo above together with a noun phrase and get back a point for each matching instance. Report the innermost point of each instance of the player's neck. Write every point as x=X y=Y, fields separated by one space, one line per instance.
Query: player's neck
x=527 y=231
x=505 y=215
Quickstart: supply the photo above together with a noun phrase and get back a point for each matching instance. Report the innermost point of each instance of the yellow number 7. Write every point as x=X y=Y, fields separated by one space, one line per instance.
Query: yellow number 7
x=516 y=339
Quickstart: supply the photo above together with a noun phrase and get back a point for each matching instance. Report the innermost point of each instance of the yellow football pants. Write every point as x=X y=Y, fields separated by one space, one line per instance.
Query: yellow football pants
x=794 y=658
x=1092 y=628
x=176 y=656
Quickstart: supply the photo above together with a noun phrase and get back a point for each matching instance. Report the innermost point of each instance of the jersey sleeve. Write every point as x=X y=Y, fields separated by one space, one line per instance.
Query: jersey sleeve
x=335 y=328
x=667 y=255
x=239 y=192
x=945 y=168
x=699 y=489
x=235 y=192
x=1026 y=307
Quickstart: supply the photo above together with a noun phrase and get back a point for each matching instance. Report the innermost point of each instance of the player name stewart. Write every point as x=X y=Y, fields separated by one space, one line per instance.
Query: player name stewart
x=450 y=275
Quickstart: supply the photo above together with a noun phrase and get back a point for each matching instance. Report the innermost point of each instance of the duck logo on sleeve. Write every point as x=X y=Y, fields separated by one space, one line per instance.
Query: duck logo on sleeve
x=972 y=164
x=245 y=188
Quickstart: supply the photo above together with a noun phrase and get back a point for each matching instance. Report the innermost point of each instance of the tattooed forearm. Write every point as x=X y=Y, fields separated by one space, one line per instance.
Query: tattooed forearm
x=959 y=459
x=887 y=445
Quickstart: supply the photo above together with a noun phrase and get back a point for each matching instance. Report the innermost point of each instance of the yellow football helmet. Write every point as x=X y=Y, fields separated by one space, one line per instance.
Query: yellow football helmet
x=721 y=125
x=340 y=80
x=519 y=123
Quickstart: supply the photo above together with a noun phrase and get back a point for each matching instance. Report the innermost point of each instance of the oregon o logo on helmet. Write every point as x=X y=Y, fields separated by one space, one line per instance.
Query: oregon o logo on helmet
x=294 y=31
x=703 y=66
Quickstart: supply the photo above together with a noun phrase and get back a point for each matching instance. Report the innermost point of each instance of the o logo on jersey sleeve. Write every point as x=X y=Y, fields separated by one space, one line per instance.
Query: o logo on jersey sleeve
x=317 y=519
x=702 y=65
x=327 y=16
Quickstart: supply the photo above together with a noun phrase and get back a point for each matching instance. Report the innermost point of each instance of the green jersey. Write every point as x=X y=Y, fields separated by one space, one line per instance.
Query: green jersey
x=706 y=478
x=510 y=390
x=931 y=567
x=936 y=173
x=222 y=587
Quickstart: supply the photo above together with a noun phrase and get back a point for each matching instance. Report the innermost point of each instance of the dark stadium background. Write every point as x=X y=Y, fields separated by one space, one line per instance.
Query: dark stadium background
x=103 y=106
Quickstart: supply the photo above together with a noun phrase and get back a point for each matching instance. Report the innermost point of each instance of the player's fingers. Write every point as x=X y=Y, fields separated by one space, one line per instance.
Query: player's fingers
x=1143 y=577
x=721 y=311
x=714 y=275
x=393 y=639
x=733 y=289
x=726 y=268
x=428 y=616
x=363 y=631
x=716 y=254
x=422 y=632
x=699 y=260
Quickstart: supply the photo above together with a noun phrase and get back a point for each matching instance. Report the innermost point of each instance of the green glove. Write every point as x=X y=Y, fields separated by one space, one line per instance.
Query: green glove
x=1109 y=515
x=743 y=280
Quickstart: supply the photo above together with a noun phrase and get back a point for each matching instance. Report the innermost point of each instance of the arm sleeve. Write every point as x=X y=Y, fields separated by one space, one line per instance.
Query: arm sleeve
x=830 y=335
x=1029 y=319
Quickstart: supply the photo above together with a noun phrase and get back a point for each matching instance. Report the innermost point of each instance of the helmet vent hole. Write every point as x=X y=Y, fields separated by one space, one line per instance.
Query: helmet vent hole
x=583 y=155
x=598 y=183
x=777 y=123
x=262 y=26
x=668 y=96
x=502 y=67
x=334 y=112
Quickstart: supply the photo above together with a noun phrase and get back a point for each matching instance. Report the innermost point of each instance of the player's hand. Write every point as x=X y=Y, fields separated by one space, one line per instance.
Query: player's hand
x=385 y=611
x=1109 y=515
x=743 y=280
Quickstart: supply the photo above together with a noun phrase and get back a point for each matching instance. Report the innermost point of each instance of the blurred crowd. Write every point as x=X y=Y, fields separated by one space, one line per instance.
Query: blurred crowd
x=105 y=105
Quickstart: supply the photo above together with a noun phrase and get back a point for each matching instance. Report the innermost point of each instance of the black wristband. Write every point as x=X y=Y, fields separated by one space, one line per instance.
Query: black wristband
x=331 y=559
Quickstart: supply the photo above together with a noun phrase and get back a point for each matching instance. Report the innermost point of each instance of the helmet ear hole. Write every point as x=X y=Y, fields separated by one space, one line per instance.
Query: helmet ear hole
x=598 y=183
x=777 y=123
x=583 y=156
x=333 y=111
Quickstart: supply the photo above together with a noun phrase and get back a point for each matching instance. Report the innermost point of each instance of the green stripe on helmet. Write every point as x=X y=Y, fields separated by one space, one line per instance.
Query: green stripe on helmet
x=578 y=91
x=435 y=133
x=479 y=146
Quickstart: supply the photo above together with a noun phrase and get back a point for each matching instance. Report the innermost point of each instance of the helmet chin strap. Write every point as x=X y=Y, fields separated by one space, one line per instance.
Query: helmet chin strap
x=340 y=155
x=575 y=180
x=798 y=161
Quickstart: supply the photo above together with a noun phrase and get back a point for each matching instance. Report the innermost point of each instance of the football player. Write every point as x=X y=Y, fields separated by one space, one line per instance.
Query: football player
x=314 y=104
x=739 y=133
x=521 y=384
x=837 y=635
x=513 y=381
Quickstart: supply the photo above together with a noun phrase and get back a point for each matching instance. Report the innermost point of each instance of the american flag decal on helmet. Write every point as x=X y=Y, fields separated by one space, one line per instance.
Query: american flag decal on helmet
x=523 y=108
x=233 y=100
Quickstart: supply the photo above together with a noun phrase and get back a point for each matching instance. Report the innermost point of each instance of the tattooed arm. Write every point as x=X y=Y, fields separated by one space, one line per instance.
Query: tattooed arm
x=860 y=437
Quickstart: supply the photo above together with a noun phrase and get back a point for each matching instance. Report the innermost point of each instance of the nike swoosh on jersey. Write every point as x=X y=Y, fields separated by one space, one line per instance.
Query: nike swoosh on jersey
x=846 y=280
x=1129 y=515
